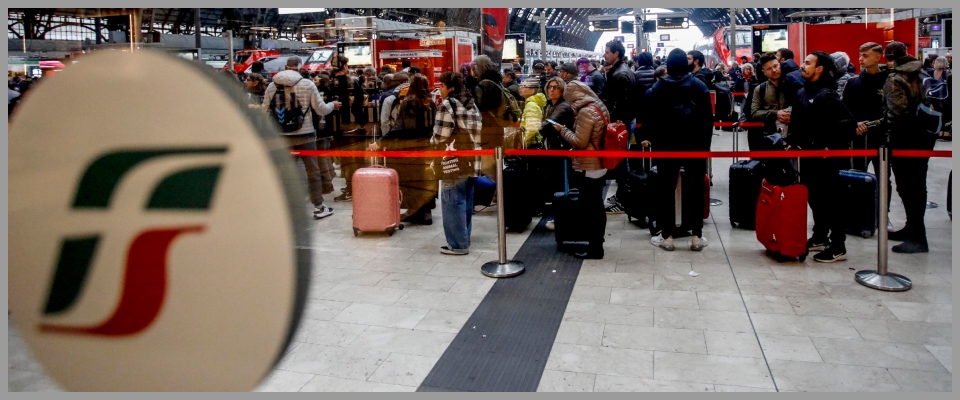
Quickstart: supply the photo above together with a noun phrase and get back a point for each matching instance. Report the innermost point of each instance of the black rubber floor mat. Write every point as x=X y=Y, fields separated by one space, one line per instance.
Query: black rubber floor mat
x=504 y=345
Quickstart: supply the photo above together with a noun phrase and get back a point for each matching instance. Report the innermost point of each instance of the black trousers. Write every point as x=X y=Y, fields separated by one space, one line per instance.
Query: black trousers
x=692 y=195
x=822 y=178
x=911 y=176
x=593 y=215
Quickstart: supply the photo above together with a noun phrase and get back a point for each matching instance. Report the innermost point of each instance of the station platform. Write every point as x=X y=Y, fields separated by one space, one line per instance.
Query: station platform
x=391 y=313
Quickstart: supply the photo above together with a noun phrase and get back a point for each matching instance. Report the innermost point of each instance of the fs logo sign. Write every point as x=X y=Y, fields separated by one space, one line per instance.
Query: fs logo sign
x=159 y=237
x=144 y=283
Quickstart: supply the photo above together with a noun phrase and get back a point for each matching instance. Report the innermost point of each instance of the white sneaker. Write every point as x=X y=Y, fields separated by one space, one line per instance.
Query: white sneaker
x=454 y=252
x=698 y=243
x=667 y=244
x=656 y=240
x=550 y=225
x=322 y=212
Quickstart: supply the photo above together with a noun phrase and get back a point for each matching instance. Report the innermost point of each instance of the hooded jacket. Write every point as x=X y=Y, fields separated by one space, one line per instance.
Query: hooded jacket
x=902 y=93
x=533 y=118
x=791 y=71
x=618 y=93
x=693 y=132
x=819 y=120
x=590 y=125
x=307 y=95
x=487 y=93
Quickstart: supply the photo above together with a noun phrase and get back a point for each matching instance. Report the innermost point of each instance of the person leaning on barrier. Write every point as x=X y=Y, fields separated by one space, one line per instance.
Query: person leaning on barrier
x=456 y=198
x=902 y=93
x=590 y=128
x=305 y=138
x=820 y=121
x=683 y=122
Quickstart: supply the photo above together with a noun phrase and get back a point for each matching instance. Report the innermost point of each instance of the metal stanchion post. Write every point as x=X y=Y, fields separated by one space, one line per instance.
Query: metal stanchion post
x=880 y=279
x=502 y=267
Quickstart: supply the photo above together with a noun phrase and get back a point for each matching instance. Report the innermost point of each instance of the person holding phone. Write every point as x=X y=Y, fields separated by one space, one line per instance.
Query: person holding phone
x=558 y=114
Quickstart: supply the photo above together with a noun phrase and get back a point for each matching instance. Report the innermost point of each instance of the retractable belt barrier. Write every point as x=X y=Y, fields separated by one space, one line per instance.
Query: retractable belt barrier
x=879 y=279
x=622 y=154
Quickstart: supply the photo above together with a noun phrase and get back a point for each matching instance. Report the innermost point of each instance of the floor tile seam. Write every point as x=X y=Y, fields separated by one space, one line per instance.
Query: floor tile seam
x=766 y=362
x=711 y=383
x=676 y=381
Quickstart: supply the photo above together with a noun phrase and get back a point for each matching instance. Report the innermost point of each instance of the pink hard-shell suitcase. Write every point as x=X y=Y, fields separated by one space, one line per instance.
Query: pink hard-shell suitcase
x=376 y=200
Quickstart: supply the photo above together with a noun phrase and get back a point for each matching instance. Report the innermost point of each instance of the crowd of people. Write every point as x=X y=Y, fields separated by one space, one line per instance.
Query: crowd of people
x=822 y=102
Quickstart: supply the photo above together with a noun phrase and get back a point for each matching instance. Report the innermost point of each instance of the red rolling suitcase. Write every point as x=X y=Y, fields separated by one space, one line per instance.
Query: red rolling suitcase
x=376 y=200
x=782 y=220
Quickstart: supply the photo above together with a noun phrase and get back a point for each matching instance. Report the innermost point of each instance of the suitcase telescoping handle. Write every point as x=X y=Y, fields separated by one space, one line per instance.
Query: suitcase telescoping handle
x=566 y=181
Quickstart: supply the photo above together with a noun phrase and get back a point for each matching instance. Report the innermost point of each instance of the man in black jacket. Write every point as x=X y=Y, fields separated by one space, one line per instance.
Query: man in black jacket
x=684 y=122
x=902 y=94
x=618 y=96
x=789 y=68
x=820 y=121
x=595 y=78
x=863 y=96
x=645 y=77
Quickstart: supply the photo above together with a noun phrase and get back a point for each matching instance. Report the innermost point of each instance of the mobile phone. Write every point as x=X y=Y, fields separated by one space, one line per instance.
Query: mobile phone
x=552 y=121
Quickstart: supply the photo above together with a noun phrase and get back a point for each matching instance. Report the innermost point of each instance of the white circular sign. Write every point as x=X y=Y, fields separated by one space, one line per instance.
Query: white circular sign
x=152 y=243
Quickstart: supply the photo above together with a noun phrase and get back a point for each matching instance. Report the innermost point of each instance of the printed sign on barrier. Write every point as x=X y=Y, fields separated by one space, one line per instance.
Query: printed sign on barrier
x=138 y=262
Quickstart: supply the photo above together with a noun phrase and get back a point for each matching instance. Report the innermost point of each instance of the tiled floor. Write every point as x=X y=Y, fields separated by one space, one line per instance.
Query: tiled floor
x=383 y=309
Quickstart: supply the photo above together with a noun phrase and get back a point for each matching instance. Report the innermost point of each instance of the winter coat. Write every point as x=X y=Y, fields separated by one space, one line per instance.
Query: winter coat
x=307 y=95
x=902 y=93
x=645 y=79
x=597 y=81
x=791 y=71
x=766 y=101
x=618 y=93
x=863 y=96
x=694 y=132
x=819 y=120
x=590 y=125
x=532 y=119
x=514 y=89
x=561 y=113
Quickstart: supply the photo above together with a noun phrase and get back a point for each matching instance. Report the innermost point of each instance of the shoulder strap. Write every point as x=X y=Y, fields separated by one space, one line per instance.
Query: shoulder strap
x=602 y=117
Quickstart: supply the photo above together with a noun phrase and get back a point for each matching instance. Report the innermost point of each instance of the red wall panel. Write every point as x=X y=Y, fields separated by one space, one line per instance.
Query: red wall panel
x=849 y=37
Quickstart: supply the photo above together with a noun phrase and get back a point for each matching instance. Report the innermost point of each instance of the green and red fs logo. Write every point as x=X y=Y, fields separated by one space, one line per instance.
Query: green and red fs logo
x=145 y=272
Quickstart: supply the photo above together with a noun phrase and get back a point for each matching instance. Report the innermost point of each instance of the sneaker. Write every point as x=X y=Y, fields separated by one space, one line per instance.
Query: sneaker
x=911 y=247
x=815 y=244
x=698 y=243
x=898 y=236
x=614 y=208
x=831 y=254
x=454 y=252
x=613 y=200
x=657 y=240
x=889 y=226
x=322 y=212
x=343 y=197
x=667 y=244
x=550 y=225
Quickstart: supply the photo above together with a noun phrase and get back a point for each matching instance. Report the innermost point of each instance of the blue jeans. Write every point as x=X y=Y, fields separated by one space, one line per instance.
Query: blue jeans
x=456 y=204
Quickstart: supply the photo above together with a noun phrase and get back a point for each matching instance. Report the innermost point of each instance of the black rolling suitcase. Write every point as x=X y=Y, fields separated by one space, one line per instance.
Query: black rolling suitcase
x=746 y=178
x=860 y=202
x=517 y=195
x=635 y=195
x=566 y=205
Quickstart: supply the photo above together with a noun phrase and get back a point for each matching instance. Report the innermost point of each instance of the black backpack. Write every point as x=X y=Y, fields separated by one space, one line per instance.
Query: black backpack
x=285 y=108
x=724 y=96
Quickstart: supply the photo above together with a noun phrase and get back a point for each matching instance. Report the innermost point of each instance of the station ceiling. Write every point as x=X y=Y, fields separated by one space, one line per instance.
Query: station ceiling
x=574 y=21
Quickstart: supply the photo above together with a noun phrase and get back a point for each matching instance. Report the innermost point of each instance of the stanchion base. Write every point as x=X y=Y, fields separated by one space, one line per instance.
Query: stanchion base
x=889 y=282
x=494 y=269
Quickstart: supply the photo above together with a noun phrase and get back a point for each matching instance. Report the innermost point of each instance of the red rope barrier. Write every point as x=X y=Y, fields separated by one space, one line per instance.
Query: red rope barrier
x=623 y=154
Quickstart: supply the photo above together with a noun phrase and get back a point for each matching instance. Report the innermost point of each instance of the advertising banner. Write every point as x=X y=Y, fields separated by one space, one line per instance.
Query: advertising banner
x=493 y=28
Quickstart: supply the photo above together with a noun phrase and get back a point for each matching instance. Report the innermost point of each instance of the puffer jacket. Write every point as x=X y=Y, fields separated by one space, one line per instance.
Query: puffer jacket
x=532 y=118
x=902 y=95
x=307 y=95
x=590 y=125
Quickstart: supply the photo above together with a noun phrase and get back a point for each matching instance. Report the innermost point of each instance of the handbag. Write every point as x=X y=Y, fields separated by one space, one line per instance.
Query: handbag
x=454 y=167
